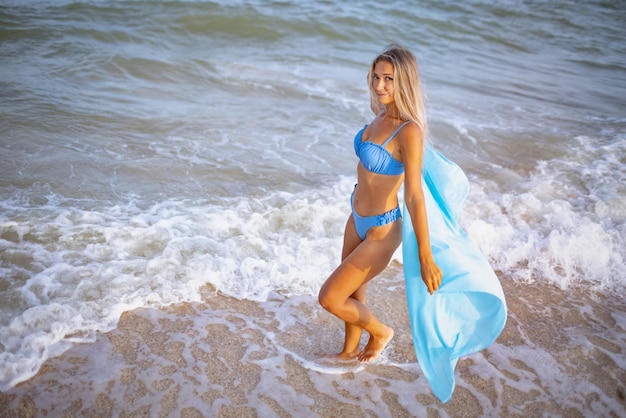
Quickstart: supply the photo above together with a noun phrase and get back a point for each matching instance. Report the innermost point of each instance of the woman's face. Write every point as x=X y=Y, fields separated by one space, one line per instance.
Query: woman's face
x=382 y=82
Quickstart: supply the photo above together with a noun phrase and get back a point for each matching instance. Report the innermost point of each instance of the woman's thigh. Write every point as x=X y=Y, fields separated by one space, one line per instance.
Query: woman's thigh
x=364 y=262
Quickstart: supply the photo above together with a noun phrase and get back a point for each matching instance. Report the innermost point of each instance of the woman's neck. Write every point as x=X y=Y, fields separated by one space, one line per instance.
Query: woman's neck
x=392 y=112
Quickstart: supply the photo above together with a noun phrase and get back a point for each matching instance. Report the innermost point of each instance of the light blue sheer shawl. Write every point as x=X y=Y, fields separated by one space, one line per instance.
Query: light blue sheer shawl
x=468 y=311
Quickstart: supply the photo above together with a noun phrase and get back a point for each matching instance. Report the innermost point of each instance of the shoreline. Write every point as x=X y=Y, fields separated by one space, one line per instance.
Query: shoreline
x=228 y=357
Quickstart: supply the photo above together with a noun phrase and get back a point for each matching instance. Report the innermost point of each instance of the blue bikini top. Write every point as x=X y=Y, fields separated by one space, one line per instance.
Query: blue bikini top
x=375 y=158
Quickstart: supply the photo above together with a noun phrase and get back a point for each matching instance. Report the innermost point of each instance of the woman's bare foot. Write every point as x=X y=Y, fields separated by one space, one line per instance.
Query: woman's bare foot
x=375 y=346
x=338 y=358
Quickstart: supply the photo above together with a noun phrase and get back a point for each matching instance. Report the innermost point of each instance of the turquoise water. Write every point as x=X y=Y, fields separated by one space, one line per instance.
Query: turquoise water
x=152 y=149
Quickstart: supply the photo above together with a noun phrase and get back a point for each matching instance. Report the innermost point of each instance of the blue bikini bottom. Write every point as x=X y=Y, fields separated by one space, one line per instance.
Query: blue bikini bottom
x=365 y=223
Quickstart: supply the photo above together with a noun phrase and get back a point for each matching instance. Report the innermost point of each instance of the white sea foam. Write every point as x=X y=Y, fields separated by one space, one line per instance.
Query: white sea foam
x=102 y=263
x=565 y=225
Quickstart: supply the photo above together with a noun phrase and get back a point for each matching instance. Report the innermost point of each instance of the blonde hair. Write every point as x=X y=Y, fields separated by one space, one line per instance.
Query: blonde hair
x=408 y=95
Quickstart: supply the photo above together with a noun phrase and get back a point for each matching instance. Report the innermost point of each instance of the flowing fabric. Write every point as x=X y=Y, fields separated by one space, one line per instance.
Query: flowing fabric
x=468 y=311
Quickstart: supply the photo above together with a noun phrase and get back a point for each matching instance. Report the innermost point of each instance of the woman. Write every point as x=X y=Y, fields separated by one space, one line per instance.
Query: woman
x=390 y=151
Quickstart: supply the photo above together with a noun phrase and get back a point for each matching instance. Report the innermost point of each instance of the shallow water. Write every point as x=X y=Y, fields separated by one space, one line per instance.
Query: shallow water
x=151 y=150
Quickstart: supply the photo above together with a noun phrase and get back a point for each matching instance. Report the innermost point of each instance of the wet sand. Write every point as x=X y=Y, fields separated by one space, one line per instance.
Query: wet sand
x=559 y=355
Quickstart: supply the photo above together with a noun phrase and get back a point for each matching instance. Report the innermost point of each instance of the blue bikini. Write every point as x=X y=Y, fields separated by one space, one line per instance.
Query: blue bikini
x=376 y=159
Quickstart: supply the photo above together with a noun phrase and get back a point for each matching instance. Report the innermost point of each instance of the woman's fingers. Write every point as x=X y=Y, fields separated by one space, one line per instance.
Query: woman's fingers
x=432 y=278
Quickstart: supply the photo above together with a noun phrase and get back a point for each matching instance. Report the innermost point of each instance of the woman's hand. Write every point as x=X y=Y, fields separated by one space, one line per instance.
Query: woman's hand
x=431 y=274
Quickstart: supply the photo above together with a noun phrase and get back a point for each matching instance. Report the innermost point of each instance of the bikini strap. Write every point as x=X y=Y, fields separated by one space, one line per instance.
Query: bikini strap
x=395 y=133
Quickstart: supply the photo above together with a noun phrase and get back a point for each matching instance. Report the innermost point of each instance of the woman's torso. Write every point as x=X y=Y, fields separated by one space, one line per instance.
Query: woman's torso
x=377 y=190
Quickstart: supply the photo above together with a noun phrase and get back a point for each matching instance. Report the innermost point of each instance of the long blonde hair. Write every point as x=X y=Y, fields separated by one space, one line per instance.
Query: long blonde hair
x=408 y=94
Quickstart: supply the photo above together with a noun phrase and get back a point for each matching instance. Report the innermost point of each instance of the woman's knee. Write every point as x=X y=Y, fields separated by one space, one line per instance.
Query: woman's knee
x=330 y=301
x=325 y=299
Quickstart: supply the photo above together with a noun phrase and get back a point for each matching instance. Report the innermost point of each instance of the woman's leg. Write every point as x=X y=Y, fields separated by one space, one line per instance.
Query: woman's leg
x=353 y=332
x=341 y=292
x=351 y=240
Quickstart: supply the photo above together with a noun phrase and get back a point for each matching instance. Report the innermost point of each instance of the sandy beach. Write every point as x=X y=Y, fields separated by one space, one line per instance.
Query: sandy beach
x=214 y=359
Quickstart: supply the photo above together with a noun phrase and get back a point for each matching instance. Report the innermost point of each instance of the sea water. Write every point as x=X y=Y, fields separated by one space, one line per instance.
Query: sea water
x=152 y=152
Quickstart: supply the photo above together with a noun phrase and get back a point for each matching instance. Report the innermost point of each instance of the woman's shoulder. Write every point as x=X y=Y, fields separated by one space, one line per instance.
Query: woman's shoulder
x=411 y=143
x=410 y=131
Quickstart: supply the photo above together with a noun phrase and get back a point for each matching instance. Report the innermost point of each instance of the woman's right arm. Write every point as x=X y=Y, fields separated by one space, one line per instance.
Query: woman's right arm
x=410 y=140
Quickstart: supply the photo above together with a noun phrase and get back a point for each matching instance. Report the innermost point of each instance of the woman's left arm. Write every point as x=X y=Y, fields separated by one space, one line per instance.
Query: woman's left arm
x=411 y=140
